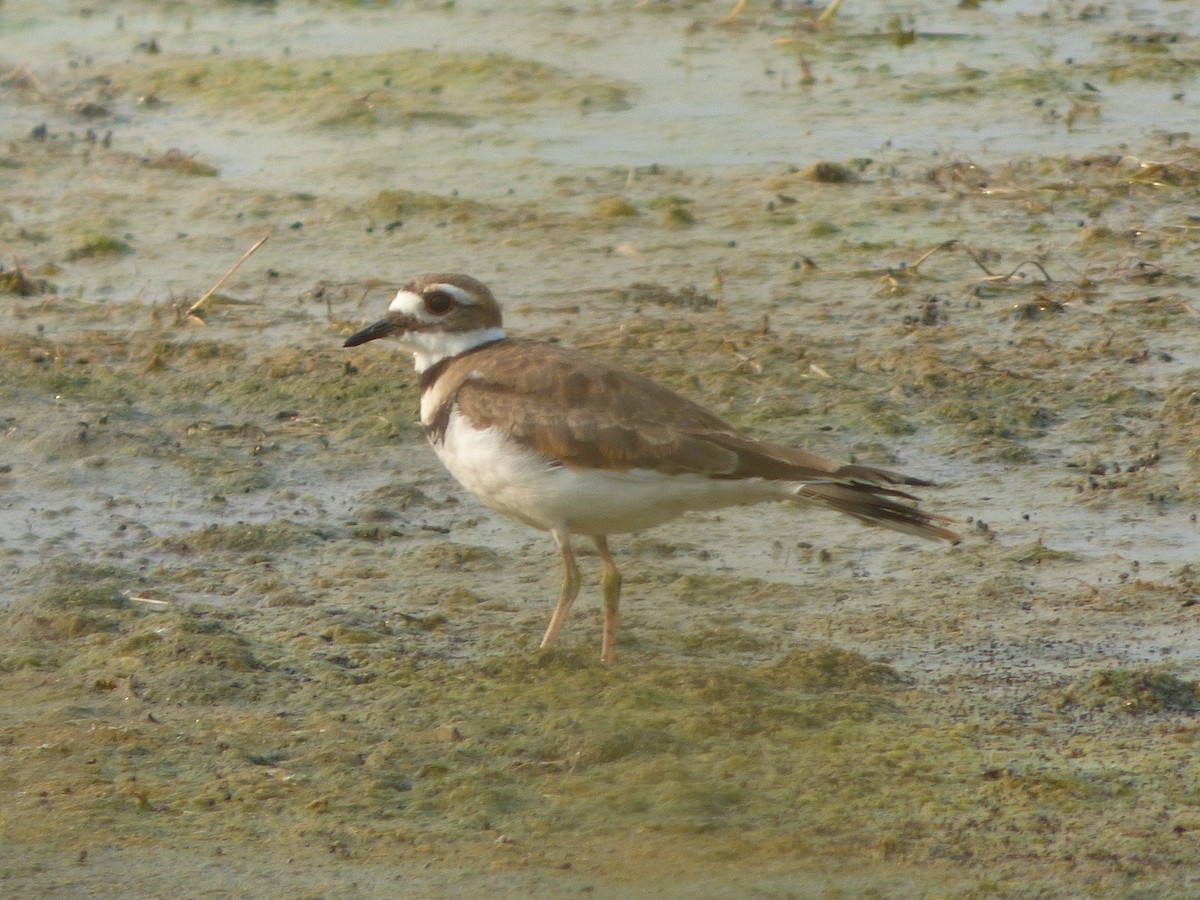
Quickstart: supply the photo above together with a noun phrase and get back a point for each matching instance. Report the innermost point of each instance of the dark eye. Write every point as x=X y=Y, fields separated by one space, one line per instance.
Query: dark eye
x=438 y=303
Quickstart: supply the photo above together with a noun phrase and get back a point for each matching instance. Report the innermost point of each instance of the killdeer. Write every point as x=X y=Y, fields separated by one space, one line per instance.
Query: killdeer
x=573 y=445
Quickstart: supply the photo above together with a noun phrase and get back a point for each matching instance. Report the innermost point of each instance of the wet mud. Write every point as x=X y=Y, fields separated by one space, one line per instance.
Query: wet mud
x=254 y=641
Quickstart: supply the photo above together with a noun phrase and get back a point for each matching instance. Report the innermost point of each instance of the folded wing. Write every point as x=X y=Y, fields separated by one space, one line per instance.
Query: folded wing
x=583 y=412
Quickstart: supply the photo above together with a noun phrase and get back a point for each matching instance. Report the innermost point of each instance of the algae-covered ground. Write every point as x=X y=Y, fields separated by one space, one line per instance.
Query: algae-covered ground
x=255 y=642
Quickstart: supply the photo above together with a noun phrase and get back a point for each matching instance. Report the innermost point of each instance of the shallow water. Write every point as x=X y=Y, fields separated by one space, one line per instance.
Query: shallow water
x=343 y=654
x=709 y=95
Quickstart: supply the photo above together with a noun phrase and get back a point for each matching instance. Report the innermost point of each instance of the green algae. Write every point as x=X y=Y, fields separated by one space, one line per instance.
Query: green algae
x=18 y=281
x=370 y=697
x=409 y=203
x=71 y=611
x=614 y=207
x=825 y=668
x=241 y=538
x=317 y=725
x=98 y=245
x=438 y=87
x=174 y=161
x=1134 y=691
x=289 y=745
x=829 y=173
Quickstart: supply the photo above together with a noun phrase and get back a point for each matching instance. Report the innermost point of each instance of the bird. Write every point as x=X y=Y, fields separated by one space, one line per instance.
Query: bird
x=568 y=443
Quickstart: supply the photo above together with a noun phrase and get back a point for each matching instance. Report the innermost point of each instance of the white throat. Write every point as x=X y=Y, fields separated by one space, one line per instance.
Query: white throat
x=430 y=347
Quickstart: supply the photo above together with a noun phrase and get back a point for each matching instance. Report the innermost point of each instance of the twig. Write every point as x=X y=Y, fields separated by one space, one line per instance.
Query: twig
x=1031 y=262
x=817 y=370
x=1176 y=300
x=732 y=14
x=979 y=262
x=1013 y=274
x=148 y=601
x=947 y=245
x=212 y=290
x=22 y=76
x=830 y=10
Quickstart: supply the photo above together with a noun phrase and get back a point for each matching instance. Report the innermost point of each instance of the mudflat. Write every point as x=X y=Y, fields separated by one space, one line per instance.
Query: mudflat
x=255 y=642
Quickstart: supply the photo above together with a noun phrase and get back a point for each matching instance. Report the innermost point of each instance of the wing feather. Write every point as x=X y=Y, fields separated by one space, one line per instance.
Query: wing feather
x=583 y=412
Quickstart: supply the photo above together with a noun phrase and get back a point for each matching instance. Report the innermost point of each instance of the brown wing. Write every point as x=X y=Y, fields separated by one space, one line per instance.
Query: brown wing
x=585 y=412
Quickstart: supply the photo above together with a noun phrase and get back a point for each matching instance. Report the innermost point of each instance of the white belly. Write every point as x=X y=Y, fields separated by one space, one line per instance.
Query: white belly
x=526 y=486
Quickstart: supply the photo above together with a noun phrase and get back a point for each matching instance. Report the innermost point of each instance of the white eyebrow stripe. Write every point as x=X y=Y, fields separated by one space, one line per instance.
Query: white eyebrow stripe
x=463 y=297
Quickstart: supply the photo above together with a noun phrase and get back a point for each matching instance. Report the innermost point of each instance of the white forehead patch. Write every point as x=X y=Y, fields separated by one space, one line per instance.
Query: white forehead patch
x=406 y=302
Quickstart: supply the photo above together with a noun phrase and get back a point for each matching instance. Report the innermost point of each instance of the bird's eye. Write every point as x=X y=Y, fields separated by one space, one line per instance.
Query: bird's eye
x=438 y=303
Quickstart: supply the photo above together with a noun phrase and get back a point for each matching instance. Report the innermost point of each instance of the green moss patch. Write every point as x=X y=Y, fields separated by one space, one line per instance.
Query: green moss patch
x=1145 y=690
x=432 y=86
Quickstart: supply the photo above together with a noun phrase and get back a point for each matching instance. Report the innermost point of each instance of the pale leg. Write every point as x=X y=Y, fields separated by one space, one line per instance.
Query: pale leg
x=570 y=588
x=610 y=586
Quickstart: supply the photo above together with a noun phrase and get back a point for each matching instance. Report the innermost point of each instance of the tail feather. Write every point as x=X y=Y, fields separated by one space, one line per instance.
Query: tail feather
x=874 y=504
x=872 y=495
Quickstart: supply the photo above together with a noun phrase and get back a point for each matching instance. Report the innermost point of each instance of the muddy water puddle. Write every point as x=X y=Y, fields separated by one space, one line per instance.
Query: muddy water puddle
x=1001 y=79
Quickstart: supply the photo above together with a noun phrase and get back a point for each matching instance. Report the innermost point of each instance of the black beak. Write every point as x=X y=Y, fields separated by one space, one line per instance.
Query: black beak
x=379 y=329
